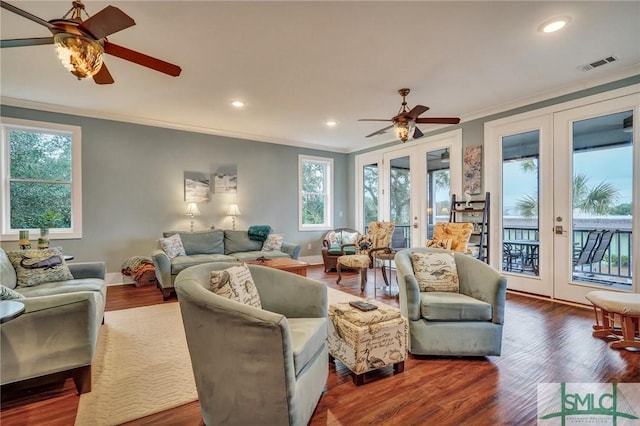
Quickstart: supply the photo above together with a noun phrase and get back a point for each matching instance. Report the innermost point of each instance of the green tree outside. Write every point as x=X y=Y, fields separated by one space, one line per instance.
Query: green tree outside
x=40 y=180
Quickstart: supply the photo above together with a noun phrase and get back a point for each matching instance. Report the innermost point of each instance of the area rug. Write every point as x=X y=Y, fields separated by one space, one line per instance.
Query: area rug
x=142 y=365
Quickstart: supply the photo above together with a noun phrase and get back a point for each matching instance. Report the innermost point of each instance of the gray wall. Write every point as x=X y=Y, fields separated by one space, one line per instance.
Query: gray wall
x=473 y=131
x=133 y=186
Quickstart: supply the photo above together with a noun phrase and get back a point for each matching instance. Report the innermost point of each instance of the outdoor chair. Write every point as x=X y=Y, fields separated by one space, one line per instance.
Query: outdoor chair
x=594 y=248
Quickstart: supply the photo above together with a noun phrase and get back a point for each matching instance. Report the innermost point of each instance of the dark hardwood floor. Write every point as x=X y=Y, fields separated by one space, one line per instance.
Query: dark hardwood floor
x=543 y=342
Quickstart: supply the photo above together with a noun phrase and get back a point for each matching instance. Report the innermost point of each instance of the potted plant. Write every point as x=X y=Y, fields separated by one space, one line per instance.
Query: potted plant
x=48 y=220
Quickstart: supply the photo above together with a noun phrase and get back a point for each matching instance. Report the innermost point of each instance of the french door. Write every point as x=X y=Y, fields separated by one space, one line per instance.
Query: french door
x=522 y=179
x=568 y=203
x=409 y=185
x=596 y=211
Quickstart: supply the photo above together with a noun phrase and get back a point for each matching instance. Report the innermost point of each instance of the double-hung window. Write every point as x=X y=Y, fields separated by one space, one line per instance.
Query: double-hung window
x=315 y=184
x=41 y=179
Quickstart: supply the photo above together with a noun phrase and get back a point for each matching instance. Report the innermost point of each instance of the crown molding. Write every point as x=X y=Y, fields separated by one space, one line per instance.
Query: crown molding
x=43 y=106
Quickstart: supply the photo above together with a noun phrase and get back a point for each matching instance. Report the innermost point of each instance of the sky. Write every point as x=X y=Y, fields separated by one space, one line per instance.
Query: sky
x=611 y=165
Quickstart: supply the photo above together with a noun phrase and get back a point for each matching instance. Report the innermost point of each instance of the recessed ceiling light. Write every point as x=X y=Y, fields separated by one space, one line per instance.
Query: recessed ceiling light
x=237 y=104
x=331 y=123
x=555 y=24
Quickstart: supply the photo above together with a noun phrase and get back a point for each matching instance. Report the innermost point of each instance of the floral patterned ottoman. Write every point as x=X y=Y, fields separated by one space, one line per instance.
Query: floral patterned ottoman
x=366 y=341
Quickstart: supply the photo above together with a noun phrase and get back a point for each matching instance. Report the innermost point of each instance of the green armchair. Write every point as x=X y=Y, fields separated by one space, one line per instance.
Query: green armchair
x=58 y=331
x=466 y=323
x=256 y=366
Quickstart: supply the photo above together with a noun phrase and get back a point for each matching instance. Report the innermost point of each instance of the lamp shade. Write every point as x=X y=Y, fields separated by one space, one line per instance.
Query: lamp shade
x=233 y=210
x=192 y=210
x=78 y=54
x=404 y=129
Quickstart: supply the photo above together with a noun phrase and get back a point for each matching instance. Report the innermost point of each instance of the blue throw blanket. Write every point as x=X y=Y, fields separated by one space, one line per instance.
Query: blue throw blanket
x=259 y=232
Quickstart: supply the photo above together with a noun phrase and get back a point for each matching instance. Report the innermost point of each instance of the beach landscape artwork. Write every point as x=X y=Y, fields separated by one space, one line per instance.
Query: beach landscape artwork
x=472 y=169
x=225 y=183
x=196 y=190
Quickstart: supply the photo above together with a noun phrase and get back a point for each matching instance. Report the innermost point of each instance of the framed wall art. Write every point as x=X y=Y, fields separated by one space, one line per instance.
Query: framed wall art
x=196 y=190
x=472 y=169
x=225 y=183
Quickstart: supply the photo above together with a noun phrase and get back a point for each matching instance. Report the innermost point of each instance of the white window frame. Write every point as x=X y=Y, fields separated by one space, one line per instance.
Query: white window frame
x=75 y=133
x=328 y=211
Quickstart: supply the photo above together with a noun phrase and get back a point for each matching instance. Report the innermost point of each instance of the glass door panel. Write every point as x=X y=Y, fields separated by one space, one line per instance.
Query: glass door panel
x=438 y=189
x=602 y=156
x=520 y=203
x=370 y=176
x=400 y=200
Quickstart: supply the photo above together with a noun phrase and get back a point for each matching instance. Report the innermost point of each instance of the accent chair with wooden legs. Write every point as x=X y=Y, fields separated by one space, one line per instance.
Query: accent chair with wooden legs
x=378 y=238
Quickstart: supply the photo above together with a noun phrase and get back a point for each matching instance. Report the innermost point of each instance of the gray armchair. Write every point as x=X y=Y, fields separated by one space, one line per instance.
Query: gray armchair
x=256 y=366
x=58 y=330
x=482 y=288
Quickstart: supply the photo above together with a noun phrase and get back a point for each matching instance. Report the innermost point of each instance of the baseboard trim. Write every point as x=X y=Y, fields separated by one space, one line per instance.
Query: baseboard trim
x=117 y=278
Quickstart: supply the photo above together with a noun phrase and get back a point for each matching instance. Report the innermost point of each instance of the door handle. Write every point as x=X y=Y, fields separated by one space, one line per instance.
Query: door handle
x=559 y=230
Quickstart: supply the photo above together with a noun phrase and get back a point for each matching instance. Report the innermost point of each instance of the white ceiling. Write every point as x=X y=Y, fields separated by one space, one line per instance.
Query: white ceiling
x=297 y=64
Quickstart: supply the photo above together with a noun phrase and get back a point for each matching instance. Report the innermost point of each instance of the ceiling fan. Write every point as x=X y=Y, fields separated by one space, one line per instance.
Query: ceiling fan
x=404 y=124
x=81 y=44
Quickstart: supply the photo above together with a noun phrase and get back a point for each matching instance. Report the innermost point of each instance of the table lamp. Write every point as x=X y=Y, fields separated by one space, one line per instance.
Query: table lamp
x=233 y=211
x=192 y=210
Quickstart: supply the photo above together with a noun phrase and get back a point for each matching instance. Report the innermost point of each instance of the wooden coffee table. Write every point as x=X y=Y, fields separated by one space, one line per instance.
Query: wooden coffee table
x=284 y=264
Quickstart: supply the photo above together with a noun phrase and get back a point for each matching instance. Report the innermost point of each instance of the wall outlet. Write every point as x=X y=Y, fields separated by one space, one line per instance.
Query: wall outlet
x=309 y=246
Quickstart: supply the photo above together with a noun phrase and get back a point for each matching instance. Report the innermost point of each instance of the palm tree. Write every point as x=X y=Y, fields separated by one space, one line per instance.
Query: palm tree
x=598 y=200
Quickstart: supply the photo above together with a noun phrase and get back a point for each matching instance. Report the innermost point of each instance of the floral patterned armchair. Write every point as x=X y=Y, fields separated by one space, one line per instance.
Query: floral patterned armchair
x=377 y=239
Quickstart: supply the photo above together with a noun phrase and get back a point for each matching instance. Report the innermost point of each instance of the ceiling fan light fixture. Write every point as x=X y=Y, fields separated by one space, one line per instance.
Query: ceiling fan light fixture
x=627 y=124
x=444 y=157
x=80 y=55
x=404 y=129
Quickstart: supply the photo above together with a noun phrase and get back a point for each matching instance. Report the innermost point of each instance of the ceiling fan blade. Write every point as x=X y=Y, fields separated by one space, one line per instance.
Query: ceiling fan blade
x=417 y=133
x=141 y=59
x=416 y=111
x=379 y=132
x=19 y=42
x=106 y=22
x=438 y=120
x=374 y=119
x=103 y=76
x=27 y=15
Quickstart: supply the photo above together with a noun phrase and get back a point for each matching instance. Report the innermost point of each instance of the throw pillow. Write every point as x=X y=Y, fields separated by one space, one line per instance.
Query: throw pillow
x=443 y=244
x=235 y=283
x=333 y=239
x=435 y=271
x=7 y=272
x=35 y=267
x=273 y=242
x=7 y=293
x=364 y=243
x=172 y=246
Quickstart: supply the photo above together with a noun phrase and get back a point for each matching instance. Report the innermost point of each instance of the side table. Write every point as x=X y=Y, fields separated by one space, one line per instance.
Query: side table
x=387 y=258
x=10 y=309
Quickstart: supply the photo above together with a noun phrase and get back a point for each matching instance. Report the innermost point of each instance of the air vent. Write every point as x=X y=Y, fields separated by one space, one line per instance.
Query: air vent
x=598 y=63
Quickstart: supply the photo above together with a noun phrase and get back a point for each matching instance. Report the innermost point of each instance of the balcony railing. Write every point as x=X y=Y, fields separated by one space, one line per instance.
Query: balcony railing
x=615 y=267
